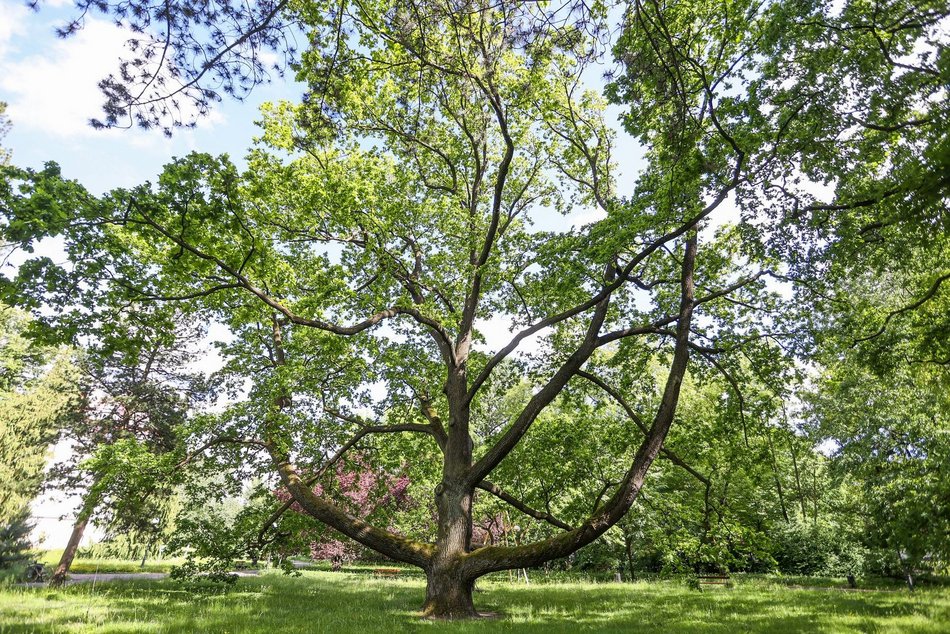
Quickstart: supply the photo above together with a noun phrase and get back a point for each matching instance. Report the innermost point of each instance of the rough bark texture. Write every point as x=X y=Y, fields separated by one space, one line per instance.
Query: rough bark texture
x=448 y=591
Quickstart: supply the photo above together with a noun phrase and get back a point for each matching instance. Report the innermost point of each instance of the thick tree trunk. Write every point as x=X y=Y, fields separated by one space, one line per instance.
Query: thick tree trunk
x=449 y=587
x=66 y=561
x=448 y=594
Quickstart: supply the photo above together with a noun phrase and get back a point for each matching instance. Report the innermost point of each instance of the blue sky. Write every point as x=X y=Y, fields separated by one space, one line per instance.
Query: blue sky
x=50 y=87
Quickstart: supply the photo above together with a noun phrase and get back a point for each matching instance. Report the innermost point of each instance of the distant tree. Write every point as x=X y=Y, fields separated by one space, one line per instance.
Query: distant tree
x=15 y=540
x=890 y=431
x=137 y=394
x=37 y=391
x=5 y=126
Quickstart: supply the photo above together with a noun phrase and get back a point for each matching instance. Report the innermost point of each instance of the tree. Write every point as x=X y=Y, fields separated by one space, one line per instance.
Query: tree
x=37 y=390
x=431 y=138
x=841 y=116
x=483 y=126
x=15 y=540
x=858 y=188
x=137 y=394
x=889 y=426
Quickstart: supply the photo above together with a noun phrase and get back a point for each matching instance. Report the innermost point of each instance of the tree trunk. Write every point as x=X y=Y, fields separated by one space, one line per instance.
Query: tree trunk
x=448 y=587
x=448 y=594
x=89 y=503
x=798 y=481
x=66 y=561
x=775 y=473
x=628 y=548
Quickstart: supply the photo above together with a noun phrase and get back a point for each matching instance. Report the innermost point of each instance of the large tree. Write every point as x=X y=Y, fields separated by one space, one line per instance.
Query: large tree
x=433 y=135
x=432 y=139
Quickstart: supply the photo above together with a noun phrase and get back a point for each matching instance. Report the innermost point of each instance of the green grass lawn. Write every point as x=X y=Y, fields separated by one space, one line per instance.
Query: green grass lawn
x=83 y=564
x=340 y=602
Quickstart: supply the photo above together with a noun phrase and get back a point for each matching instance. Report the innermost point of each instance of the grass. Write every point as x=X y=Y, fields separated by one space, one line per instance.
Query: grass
x=83 y=564
x=340 y=602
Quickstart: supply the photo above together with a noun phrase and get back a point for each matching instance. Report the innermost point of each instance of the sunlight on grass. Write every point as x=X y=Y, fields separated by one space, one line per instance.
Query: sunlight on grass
x=337 y=602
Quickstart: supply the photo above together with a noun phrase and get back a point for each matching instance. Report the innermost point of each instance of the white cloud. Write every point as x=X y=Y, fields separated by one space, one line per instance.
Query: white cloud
x=14 y=17
x=56 y=92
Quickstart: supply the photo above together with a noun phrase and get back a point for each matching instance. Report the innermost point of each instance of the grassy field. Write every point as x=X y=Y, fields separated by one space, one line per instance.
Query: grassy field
x=105 y=564
x=339 y=602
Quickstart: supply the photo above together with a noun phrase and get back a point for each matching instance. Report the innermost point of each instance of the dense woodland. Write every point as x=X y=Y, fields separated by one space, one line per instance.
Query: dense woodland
x=742 y=365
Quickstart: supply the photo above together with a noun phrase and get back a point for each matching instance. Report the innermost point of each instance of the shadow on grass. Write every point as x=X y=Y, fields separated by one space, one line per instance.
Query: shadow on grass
x=328 y=602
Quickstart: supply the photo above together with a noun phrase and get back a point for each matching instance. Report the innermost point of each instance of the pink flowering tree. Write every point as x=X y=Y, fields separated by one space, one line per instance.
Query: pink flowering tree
x=363 y=491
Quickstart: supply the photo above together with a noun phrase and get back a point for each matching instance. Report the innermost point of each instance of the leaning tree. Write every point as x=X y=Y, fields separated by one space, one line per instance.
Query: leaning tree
x=410 y=203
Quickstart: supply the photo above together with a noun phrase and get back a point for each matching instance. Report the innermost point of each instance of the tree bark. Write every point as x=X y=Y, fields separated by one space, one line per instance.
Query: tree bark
x=89 y=503
x=448 y=591
x=775 y=474
x=69 y=553
x=798 y=480
x=628 y=549
x=449 y=587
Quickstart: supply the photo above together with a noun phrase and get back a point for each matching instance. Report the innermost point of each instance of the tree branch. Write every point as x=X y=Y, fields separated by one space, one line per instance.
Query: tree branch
x=501 y=494
x=494 y=558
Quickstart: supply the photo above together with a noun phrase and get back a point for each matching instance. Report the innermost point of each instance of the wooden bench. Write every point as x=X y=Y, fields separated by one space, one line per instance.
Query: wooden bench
x=386 y=572
x=713 y=579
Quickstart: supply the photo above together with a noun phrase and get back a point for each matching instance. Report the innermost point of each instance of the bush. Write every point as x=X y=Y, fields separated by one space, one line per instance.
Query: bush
x=818 y=549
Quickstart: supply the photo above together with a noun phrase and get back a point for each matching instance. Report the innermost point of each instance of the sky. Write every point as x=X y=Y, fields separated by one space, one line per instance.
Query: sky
x=50 y=87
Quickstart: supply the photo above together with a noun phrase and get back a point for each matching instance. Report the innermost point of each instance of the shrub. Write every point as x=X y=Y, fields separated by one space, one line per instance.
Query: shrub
x=818 y=549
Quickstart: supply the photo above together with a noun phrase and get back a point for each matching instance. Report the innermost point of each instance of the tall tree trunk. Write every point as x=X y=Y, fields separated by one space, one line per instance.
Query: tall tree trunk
x=628 y=548
x=449 y=586
x=775 y=473
x=69 y=553
x=798 y=480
